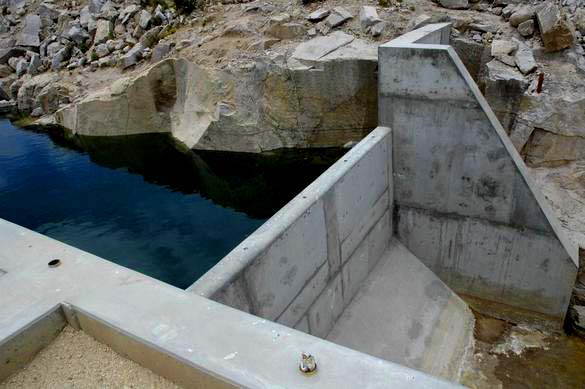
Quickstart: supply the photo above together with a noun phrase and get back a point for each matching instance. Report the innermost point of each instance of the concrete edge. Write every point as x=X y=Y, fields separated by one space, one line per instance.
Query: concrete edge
x=226 y=270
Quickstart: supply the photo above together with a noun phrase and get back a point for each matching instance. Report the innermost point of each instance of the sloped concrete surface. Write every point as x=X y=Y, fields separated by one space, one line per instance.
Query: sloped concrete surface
x=403 y=313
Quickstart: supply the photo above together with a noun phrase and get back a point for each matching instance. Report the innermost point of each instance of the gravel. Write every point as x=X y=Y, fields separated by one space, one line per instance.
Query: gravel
x=76 y=360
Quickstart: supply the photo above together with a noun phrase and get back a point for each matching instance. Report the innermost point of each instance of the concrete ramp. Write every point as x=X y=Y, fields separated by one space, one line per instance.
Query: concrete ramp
x=403 y=313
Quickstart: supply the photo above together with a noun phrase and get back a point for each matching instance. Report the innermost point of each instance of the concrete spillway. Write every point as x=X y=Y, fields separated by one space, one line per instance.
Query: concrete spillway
x=361 y=269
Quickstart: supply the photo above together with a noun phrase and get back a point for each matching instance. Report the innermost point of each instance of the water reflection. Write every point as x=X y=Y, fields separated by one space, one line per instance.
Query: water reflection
x=141 y=202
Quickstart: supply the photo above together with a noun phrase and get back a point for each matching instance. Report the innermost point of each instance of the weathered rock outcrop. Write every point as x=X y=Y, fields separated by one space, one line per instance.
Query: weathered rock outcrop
x=325 y=95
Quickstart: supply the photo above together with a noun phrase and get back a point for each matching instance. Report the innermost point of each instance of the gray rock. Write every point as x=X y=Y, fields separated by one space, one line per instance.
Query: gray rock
x=144 y=19
x=38 y=111
x=132 y=57
x=524 y=59
x=34 y=65
x=48 y=12
x=455 y=4
x=337 y=17
x=502 y=47
x=128 y=12
x=159 y=17
x=555 y=29
x=29 y=36
x=53 y=48
x=103 y=31
x=378 y=28
x=508 y=10
x=579 y=20
x=161 y=50
x=521 y=14
x=318 y=15
x=84 y=16
x=21 y=67
x=368 y=17
x=95 y=6
x=319 y=47
x=102 y=50
x=526 y=28
x=150 y=37
x=8 y=107
x=419 y=21
x=63 y=55
x=77 y=34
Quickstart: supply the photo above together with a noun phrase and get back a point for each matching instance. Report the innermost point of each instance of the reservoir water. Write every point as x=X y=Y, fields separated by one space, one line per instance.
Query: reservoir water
x=141 y=201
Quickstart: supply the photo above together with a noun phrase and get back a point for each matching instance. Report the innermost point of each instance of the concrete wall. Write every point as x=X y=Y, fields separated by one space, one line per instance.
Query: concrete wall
x=190 y=340
x=303 y=266
x=464 y=202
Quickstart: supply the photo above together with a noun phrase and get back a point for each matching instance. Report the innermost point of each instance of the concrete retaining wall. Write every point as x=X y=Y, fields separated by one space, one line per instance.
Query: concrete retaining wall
x=465 y=204
x=303 y=266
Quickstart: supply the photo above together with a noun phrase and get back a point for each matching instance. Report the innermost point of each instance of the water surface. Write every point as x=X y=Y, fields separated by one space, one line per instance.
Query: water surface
x=140 y=202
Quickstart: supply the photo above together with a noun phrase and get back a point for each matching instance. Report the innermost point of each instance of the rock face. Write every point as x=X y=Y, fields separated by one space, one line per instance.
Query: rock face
x=555 y=29
x=504 y=87
x=325 y=96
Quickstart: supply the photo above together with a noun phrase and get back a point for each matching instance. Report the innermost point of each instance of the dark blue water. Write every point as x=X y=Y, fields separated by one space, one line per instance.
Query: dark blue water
x=141 y=202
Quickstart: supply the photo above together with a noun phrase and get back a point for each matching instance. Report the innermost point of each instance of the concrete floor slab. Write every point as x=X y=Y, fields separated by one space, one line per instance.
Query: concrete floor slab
x=403 y=313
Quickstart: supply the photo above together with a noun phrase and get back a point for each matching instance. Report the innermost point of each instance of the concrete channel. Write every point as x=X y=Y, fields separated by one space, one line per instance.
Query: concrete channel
x=364 y=269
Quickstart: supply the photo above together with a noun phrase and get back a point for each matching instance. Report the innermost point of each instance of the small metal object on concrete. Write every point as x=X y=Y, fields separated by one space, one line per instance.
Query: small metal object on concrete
x=308 y=364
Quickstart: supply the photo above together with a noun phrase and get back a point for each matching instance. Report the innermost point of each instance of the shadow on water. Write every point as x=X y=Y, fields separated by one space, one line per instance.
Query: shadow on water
x=143 y=201
x=255 y=184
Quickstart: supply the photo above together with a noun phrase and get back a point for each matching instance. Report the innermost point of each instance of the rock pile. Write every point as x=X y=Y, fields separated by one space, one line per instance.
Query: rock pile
x=41 y=37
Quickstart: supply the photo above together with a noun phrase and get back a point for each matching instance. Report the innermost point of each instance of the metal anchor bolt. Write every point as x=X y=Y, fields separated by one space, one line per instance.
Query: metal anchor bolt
x=308 y=364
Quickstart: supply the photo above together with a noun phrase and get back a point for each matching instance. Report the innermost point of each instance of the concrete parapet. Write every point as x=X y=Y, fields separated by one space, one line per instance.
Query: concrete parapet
x=465 y=204
x=299 y=268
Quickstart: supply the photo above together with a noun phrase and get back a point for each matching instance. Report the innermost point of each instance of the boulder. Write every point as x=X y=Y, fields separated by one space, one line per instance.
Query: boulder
x=29 y=35
x=144 y=19
x=455 y=4
x=30 y=89
x=337 y=17
x=579 y=20
x=21 y=67
x=77 y=35
x=368 y=17
x=102 y=50
x=12 y=52
x=524 y=59
x=95 y=6
x=378 y=28
x=161 y=50
x=132 y=57
x=103 y=31
x=526 y=28
x=84 y=16
x=150 y=37
x=34 y=64
x=318 y=15
x=63 y=55
x=419 y=21
x=502 y=47
x=555 y=30
x=319 y=47
x=521 y=14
